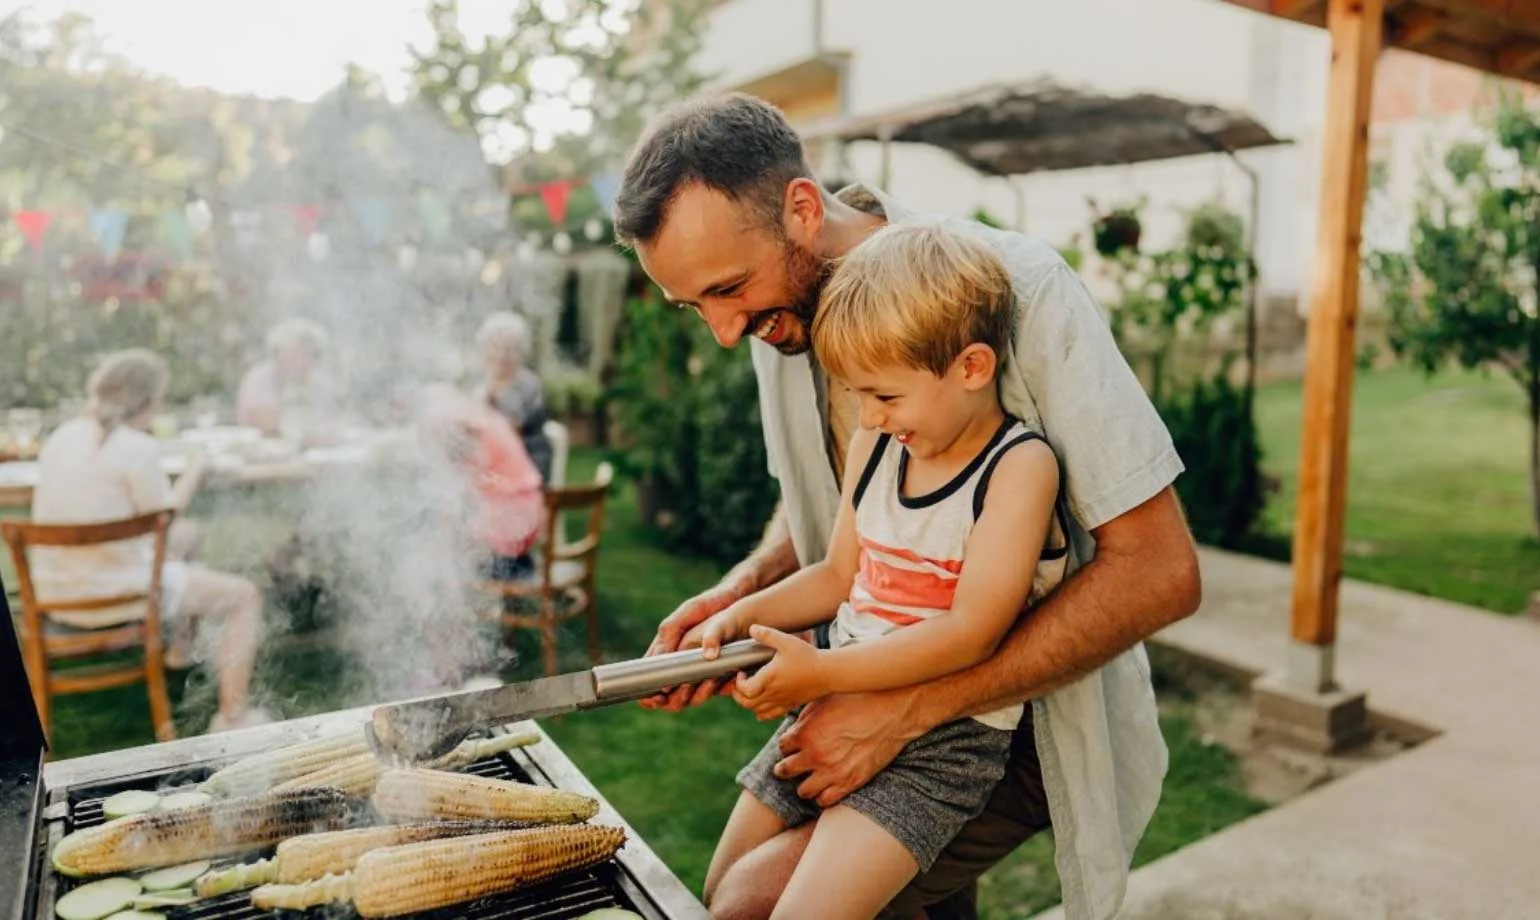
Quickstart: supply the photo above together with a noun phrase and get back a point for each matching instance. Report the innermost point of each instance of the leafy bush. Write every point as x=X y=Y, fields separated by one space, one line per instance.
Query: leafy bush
x=687 y=414
x=1215 y=432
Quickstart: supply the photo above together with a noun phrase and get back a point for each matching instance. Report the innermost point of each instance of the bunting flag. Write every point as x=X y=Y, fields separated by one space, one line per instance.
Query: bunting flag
x=307 y=217
x=373 y=215
x=33 y=224
x=177 y=232
x=109 y=226
x=555 y=195
x=605 y=185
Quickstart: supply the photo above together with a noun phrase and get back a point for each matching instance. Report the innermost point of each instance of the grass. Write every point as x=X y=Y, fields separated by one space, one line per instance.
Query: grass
x=1438 y=498
x=671 y=775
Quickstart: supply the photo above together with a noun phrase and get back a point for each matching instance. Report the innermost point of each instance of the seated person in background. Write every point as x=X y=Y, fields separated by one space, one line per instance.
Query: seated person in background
x=288 y=395
x=105 y=466
x=508 y=512
x=510 y=387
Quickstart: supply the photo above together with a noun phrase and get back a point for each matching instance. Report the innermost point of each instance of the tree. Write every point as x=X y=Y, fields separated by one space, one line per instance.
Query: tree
x=611 y=64
x=1467 y=290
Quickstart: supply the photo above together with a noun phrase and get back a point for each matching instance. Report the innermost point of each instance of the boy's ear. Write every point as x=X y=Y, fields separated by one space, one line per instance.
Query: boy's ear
x=978 y=365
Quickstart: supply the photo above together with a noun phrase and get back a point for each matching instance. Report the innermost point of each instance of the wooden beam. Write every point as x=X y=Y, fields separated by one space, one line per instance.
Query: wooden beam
x=1414 y=27
x=1517 y=60
x=1293 y=9
x=1356 y=28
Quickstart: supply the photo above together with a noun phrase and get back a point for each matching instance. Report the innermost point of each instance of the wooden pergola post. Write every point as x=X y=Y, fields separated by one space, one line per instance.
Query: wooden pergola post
x=1356 y=27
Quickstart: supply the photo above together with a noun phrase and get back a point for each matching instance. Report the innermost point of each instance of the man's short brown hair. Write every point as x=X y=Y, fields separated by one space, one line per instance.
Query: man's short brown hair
x=735 y=143
x=913 y=295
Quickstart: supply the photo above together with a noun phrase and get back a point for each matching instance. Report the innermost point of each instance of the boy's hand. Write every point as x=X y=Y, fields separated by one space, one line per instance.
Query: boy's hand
x=793 y=677
x=720 y=628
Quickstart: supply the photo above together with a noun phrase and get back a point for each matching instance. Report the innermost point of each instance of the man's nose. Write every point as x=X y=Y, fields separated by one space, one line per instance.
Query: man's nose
x=726 y=325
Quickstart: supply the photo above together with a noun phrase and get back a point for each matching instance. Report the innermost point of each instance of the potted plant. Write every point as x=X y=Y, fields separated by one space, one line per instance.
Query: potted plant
x=1117 y=230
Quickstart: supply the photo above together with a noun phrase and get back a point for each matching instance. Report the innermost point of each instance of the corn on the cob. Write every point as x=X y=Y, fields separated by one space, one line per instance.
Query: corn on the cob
x=222 y=827
x=468 y=752
x=354 y=775
x=422 y=876
x=331 y=889
x=238 y=877
x=436 y=794
x=311 y=856
x=261 y=772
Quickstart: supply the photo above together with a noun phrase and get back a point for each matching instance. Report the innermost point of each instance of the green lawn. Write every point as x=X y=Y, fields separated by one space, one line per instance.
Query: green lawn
x=1438 y=485
x=671 y=775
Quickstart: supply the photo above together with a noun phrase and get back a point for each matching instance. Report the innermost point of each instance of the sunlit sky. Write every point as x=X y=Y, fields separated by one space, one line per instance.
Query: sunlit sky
x=293 y=48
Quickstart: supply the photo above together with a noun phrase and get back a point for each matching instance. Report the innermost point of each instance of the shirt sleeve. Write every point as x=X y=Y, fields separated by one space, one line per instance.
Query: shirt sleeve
x=1114 y=447
x=148 y=483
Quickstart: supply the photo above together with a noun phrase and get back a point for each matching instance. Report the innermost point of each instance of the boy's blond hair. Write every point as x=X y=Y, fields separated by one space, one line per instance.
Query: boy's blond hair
x=913 y=296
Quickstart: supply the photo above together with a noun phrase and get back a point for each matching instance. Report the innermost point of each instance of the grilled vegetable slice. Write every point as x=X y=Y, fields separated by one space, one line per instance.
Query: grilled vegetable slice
x=436 y=794
x=611 y=913
x=261 y=772
x=311 y=856
x=176 y=897
x=137 y=915
x=235 y=878
x=168 y=838
x=173 y=876
x=184 y=800
x=95 y=900
x=129 y=802
x=422 y=876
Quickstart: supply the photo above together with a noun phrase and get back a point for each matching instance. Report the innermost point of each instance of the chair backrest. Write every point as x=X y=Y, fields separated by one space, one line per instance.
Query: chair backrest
x=588 y=496
x=22 y=535
x=557 y=434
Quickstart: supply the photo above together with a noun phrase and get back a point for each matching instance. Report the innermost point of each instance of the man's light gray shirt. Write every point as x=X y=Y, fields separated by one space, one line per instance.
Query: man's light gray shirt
x=1102 y=753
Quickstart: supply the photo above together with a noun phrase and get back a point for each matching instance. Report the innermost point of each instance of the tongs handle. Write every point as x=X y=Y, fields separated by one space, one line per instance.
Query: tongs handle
x=644 y=676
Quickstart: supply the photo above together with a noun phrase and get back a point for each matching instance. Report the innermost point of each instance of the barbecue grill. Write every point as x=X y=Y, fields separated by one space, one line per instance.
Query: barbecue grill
x=41 y=803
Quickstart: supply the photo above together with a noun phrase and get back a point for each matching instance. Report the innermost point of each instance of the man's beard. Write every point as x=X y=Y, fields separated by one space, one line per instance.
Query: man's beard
x=806 y=275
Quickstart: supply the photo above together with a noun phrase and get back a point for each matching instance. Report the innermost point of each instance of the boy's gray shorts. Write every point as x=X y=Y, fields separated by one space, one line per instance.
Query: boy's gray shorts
x=935 y=785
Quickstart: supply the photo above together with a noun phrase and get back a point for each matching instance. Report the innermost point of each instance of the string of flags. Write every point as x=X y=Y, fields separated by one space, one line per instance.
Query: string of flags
x=435 y=213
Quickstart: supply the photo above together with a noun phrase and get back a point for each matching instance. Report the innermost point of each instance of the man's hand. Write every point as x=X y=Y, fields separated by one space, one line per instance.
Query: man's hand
x=840 y=742
x=793 y=677
x=683 y=629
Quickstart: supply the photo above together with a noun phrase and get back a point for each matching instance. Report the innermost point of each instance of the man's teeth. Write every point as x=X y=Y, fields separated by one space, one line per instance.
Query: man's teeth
x=767 y=328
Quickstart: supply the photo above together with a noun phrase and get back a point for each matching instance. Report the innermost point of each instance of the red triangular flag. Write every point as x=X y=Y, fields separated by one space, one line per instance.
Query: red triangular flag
x=306 y=218
x=555 y=195
x=33 y=225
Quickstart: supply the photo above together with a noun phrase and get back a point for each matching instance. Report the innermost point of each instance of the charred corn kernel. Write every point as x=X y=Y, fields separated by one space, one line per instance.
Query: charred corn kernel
x=354 y=775
x=219 y=828
x=238 y=877
x=331 y=889
x=422 y=876
x=437 y=794
x=261 y=772
x=311 y=856
x=468 y=752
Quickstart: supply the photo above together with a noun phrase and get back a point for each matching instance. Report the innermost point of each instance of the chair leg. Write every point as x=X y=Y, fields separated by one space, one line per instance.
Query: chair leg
x=160 y=700
x=548 y=635
x=37 y=676
x=595 y=647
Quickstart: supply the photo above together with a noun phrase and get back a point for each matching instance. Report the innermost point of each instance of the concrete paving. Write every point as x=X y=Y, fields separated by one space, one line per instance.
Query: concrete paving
x=1445 y=831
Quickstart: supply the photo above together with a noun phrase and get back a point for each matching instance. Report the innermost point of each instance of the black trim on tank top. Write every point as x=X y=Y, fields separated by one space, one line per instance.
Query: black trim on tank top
x=871 y=468
x=1048 y=553
x=942 y=493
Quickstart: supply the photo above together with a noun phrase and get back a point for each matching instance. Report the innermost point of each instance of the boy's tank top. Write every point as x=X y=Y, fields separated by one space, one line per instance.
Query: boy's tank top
x=911 y=546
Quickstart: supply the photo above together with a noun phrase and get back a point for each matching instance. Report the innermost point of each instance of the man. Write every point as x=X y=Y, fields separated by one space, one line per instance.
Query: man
x=724 y=215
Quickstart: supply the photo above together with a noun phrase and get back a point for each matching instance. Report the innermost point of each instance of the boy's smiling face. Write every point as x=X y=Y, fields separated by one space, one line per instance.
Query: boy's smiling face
x=924 y=412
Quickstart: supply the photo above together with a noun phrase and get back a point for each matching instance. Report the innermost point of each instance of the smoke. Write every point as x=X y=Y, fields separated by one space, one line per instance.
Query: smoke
x=411 y=253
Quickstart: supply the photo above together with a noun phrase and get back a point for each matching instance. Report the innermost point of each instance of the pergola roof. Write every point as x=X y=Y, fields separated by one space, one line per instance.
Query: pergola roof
x=1041 y=126
x=1498 y=36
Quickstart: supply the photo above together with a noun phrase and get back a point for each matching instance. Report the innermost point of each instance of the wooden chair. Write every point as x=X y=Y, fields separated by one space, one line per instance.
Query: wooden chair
x=560 y=439
x=42 y=647
x=565 y=572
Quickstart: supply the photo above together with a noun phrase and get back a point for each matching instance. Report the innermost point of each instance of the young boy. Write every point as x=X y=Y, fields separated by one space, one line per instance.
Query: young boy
x=948 y=528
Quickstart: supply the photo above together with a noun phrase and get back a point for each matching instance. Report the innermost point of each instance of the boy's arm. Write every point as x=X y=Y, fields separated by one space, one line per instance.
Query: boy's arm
x=814 y=593
x=991 y=593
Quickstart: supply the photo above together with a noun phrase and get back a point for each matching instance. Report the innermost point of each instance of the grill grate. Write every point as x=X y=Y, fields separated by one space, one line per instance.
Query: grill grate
x=564 y=898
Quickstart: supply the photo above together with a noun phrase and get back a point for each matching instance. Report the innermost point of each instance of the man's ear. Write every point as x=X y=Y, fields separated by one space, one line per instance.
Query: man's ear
x=977 y=364
x=804 y=212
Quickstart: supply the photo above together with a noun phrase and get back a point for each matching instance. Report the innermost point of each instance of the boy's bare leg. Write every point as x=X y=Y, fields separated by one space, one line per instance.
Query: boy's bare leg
x=852 y=868
x=751 y=824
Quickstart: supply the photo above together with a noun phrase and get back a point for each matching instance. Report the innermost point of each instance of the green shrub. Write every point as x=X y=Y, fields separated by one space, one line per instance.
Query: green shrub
x=687 y=414
x=1223 y=490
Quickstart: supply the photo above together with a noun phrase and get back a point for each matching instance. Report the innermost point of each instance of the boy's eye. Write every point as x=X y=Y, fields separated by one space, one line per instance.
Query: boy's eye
x=885 y=398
